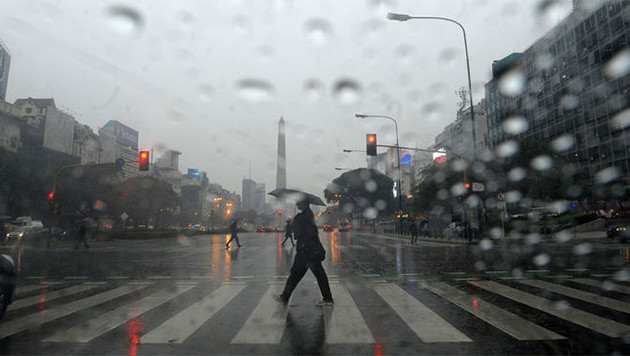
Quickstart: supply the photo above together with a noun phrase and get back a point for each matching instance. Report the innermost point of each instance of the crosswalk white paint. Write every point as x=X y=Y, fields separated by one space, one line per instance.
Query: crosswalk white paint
x=266 y=323
x=600 y=284
x=93 y=328
x=178 y=328
x=579 y=294
x=34 y=320
x=30 y=288
x=429 y=326
x=345 y=324
x=505 y=321
x=46 y=297
x=591 y=321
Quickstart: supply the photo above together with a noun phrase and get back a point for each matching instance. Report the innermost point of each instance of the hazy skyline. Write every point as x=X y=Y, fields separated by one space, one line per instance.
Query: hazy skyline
x=212 y=80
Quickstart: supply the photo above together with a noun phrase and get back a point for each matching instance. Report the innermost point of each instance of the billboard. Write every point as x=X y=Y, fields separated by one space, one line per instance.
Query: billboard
x=5 y=63
x=194 y=173
x=124 y=134
x=439 y=156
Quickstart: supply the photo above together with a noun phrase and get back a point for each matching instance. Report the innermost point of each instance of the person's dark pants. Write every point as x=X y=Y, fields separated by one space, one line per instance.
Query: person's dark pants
x=234 y=236
x=301 y=264
x=286 y=237
x=81 y=239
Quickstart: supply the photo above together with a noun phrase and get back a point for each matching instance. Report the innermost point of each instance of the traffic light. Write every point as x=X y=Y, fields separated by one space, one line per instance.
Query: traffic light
x=143 y=160
x=370 y=144
x=51 y=196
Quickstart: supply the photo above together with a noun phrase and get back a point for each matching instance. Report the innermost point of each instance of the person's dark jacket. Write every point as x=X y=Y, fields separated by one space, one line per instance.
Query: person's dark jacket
x=306 y=234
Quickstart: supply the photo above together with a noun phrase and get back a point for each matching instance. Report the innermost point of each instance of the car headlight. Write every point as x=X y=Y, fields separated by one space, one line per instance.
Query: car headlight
x=20 y=235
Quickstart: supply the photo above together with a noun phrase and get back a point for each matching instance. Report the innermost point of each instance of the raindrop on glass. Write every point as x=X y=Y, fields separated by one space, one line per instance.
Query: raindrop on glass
x=347 y=91
x=517 y=174
x=622 y=275
x=125 y=20
x=255 y=90
x=512 y=83
x=607 y=175
x=583 y=249
x=544 y=61
x=563 y=143
x=448 y=56
x=570 y=102
x=266 y=54
x=485 y=244
x=513 y=196
x=371 y=186
x=551 y=12
x=405 y=54
x=507 y=149
x=621 y=120
x=515 y=125
x=318 y=31
x=541 y=163
x=370 y=213
x=313 y=89
x=561 y=305
x=380 y=204
x=206 y=92
x=541 y=259
x=619 y=65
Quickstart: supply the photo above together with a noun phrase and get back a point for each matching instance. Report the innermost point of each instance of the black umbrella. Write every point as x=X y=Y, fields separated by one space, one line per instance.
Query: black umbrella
x=296 y=195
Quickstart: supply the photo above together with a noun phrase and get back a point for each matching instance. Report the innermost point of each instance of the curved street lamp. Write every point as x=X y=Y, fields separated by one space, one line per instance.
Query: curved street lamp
x=404 y=17
x=365 y=116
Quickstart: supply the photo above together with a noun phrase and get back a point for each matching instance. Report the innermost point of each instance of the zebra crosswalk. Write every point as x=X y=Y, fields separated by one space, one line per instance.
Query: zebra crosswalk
x=347 y=322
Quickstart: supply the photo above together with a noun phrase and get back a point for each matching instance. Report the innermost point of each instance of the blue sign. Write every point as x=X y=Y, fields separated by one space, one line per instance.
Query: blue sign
x=120 y=162
x=194 y=173
x=405 y=158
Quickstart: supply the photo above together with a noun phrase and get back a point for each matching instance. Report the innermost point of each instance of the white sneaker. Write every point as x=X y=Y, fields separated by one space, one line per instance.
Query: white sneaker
x=324 y=303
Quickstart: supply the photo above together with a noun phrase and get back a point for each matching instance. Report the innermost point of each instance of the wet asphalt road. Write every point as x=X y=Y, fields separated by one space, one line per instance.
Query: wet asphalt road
x=218 y=299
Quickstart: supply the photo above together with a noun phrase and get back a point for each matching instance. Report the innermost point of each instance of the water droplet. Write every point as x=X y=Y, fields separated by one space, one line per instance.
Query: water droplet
x=448 y=56
x=266 y=54
x=347 y=91
x=563 y=236
x=507 y=149
x=551 y=12
x=515 y=125
x=619 y=65
x=513 y=196
x=607 y=175
x=544 y=61
x=206 y=92
x=176 y=116
x=382 y=6
x=433 y=111
x=125 y=21
x=473 y=201
x=512 y=83
x=381 y=204
x=372 y=28
x=255 y=90
x=563 y=143
x=370 y=213
x=371 y=186
x=570 y=102
x=405 y=54
x=622 y=275
x=318 y=31
x=621 y=120
x=541 y=259
x=583 y=249
x=442 y=194
x=242 y=24
x=458 y=189
x=533 y=239
x=608 y=285
x=313 y=89
x=485 y=244
x=517 y=174
x=541 y=163
x=562 y=305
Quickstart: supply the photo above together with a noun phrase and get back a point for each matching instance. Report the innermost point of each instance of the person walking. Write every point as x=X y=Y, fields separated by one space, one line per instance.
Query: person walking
x=82 y=236
x=310 y=254
x=234 y=233
x=413 y=231
x=288 y=233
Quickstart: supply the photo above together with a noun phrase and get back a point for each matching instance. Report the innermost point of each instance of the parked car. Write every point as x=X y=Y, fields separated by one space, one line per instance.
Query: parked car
x=344 y=227
x=328 y=228
x=22 y=233
x=620 y=232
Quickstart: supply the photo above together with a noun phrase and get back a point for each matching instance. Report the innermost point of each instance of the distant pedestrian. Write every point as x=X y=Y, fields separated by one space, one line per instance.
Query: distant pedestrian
x=82 y=235
x=310 y=254
x=234 y=233
x=425 y=228
x=413 y=231
x=288 y=233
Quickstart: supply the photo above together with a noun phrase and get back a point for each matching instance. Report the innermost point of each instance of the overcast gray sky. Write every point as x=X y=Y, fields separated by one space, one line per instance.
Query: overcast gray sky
x=212 y=78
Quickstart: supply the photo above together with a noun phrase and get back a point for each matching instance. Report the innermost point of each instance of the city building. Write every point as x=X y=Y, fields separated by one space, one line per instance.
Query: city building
x=573 y=94
x=249 y=194
x=456 y=138
x=9 y=127
x=119 y=141
x=5 y=65
x=167 y=169
x=86 y=144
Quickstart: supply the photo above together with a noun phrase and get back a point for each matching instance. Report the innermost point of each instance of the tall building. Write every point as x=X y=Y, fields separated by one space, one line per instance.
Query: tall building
x=574 y=95
x=5 y=65
x=120 y=141
x=249 y=194
x=281 y=169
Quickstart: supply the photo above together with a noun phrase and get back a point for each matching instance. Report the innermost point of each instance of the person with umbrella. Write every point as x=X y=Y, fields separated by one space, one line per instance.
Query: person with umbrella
x=234 y=232
x=288 y=233
x=310 y=252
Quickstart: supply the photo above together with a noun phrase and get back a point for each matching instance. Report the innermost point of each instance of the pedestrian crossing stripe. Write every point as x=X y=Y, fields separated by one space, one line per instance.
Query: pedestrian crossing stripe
x=591 y=321
x=343 y=323
x=600 y=284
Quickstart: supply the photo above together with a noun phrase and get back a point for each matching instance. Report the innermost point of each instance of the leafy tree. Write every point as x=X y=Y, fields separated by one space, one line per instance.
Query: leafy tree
x=144 y=198
x=362 y=189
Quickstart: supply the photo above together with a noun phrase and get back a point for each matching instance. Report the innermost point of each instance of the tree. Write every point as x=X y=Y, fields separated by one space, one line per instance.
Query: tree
x=362 y=190
x=142 y=198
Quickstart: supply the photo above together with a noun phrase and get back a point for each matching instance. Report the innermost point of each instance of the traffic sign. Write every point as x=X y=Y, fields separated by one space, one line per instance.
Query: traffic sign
x=120 y=162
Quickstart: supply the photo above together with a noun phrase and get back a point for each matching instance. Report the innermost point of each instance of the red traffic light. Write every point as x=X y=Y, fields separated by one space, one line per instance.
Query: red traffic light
x=370 y=144
x=143 y=160
x=467 y=185
x=51 y=196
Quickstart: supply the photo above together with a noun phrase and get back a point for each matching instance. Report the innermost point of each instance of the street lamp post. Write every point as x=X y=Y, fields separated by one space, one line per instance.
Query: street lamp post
x=403 y=17
x=363 y=116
